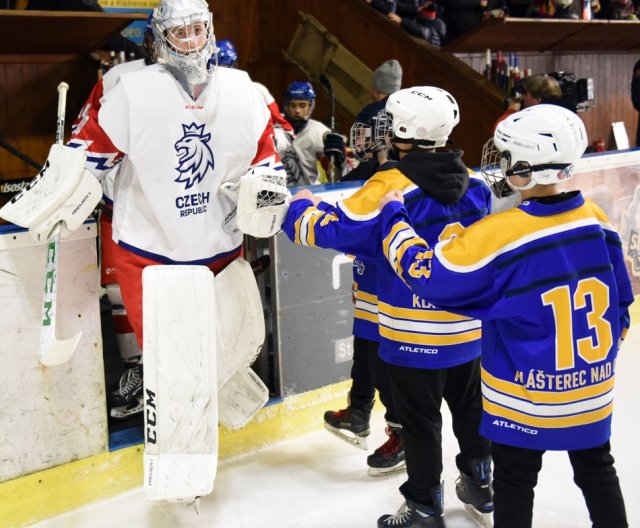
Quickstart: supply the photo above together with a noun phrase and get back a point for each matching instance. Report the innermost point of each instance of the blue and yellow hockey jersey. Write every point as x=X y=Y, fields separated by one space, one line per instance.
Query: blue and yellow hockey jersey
x=549 y=283
x=365 y=296
x=412 y=332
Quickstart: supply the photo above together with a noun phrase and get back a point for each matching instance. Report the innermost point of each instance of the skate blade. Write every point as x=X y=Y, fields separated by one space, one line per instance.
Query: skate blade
x=485 y=520
x=381 y=472
x=125 y=411
x=357 y=441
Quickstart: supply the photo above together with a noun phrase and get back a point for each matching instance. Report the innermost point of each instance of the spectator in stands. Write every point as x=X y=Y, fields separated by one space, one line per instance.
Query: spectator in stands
x=404 y=8
x=530 y=91
x=461 y=15
x=386 y=79
x=619 y=10
x=563 y=9
x=425 y=24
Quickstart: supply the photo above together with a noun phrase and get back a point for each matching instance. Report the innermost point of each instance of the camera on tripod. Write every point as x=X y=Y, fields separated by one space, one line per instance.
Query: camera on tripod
x=577 y=94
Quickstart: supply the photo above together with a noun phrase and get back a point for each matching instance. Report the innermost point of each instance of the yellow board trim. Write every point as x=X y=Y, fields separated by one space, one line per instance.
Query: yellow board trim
x=52 y=492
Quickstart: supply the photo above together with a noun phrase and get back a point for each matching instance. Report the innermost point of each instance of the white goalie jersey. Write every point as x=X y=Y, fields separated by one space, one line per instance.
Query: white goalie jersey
x=177 y=158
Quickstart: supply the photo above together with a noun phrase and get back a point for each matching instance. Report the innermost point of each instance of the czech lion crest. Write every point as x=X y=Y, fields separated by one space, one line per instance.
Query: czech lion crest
x=194 y=155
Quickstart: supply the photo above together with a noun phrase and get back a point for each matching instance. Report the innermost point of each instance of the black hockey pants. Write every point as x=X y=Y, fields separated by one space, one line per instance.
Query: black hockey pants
x=515 y=475
x=418 y=395
x=368 y=373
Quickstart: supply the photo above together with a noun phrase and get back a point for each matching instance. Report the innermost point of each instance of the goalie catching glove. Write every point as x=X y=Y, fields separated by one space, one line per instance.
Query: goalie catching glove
x=62 y=193
x=262 y=199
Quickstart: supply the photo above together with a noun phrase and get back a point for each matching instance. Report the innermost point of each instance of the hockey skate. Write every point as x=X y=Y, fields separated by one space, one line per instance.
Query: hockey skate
x=127 y=400
x=476 y=492
x=350 y=425
x=414 y=515
x=389 y=457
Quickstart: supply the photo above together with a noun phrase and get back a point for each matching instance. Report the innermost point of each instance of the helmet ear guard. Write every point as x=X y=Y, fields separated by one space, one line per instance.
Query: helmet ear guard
x=541 y=142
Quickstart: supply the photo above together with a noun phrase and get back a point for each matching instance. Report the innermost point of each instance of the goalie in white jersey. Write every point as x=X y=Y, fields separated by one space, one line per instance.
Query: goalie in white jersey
x=197 y=170
x=184 y=130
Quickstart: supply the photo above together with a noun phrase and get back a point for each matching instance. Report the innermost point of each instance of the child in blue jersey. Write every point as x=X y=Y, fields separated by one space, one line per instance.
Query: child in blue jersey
x=431 y=354
x=368 y=372
x=548 y=281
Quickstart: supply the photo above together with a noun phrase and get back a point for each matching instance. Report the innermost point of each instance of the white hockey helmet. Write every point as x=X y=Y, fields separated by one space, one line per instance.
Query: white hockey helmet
x=184 y=38
x=541 y=142
x=422 y=115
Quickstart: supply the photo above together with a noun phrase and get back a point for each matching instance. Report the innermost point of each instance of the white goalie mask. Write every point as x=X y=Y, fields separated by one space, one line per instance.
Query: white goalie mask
x=184 y=39
x=422 y=115
x=541 y=142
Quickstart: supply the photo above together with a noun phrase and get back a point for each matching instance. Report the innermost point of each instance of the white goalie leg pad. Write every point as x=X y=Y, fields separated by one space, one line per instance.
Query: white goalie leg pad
x=62 y=192
x=263 y=201
x=240 y=399
x=180 y=390
x=239 y=319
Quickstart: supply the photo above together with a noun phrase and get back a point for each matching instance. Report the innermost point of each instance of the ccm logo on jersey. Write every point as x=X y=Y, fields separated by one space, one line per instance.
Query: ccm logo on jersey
x=150 y=409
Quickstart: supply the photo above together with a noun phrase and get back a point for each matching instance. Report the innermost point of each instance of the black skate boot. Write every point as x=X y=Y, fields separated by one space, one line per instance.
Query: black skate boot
x=414 y=515
x=476 y=491
x=389 y=457
x=350 y=425
x=127 y=399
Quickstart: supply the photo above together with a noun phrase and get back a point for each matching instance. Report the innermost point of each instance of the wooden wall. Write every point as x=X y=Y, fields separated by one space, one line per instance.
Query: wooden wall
x=28 y=104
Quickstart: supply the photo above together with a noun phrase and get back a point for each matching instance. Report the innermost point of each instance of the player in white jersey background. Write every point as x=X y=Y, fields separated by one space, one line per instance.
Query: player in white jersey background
x=312 y=140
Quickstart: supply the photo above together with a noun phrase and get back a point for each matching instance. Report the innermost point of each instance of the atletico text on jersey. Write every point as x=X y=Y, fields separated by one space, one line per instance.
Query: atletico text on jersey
x=412 y=332
x=169 y=178
x=549 y=283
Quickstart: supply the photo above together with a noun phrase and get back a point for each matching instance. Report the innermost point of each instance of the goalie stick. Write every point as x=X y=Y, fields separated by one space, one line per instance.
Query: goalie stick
x=54 y=351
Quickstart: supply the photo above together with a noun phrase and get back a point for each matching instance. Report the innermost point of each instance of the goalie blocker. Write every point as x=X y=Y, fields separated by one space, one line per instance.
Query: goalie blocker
x=63 y=193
